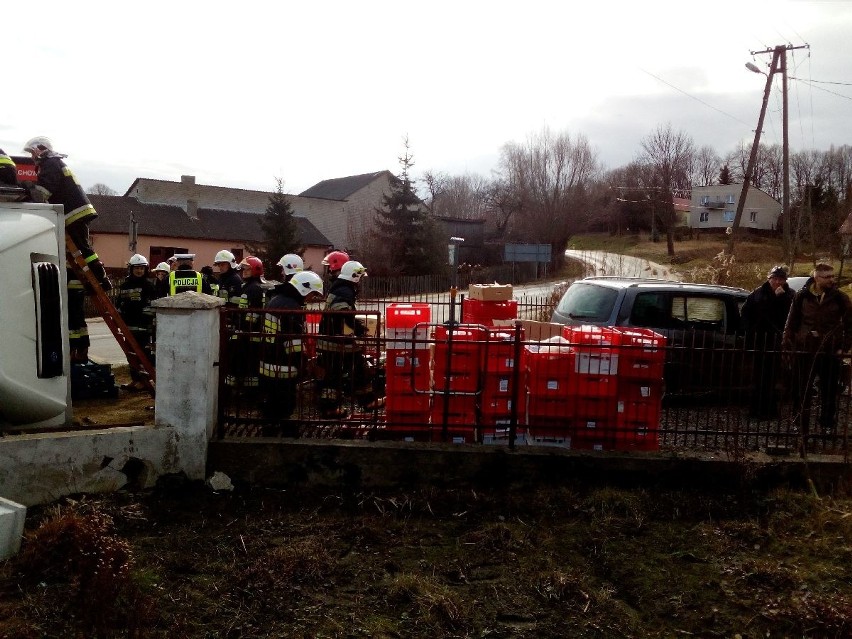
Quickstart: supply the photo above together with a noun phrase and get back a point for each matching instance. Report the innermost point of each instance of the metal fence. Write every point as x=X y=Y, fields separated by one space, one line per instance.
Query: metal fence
x=594 y=389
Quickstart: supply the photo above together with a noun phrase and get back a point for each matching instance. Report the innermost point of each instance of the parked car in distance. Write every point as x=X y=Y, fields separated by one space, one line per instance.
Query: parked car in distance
x=705 y=354
x=796 y=283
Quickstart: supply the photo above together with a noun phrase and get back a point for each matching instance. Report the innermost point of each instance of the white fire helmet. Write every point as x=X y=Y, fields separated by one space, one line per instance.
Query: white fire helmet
x=137 y=260
x=352 y=271
x=225 y=256
x=291 y=263
x=38 y=144
x=163 y=266
x=307 y=282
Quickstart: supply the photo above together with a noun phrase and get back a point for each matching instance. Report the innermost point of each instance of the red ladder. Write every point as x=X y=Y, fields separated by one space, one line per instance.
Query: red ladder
x=136 y=357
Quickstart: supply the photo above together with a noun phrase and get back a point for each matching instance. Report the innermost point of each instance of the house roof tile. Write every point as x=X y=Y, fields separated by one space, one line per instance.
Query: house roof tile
x=172 y=221
x=341 y=188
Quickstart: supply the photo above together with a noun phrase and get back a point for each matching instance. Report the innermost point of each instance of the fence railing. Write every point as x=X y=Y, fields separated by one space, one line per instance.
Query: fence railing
x=588 y=389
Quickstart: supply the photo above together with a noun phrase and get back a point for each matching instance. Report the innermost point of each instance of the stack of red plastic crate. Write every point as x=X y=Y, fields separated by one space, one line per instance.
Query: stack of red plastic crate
x=549 y=373
x=457 y=364
x=498 y=385
x=593 y=385
x=407 y=370
x=597 y=388
x=640 y=389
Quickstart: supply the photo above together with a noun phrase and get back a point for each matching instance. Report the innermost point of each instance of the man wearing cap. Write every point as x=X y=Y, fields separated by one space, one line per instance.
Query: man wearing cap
x=185 y=278
x=764 y=315
x=818 y=332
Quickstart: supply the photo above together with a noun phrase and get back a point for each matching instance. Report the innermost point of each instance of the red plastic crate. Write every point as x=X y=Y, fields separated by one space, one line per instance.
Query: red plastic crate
x=407 y=315
x=597 y=349
x=561 y=408
x=592 y=385
x=407 y=370
x=406 y=402
x=549 y=370
x=586 y=407
x=643 y=354
x=406 y=418
x=637 y=437
x=482 y=312
x=495 y=406
x=461 y=410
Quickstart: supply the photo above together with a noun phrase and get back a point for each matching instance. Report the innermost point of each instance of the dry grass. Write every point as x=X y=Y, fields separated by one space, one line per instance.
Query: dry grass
x=546 y=562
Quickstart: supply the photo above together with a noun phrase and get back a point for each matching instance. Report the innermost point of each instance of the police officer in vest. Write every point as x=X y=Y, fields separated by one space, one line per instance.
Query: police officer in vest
x=8 y=170
x=186 y=278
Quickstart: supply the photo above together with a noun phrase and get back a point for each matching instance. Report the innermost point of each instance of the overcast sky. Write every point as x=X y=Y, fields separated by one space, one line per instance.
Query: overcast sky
x=241 y=93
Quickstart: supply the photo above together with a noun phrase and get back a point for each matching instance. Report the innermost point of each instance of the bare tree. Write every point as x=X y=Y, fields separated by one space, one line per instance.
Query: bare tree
x=550 y=177
x=707 y=166
x=463 y=197
x=101 y=189
x=670 y=154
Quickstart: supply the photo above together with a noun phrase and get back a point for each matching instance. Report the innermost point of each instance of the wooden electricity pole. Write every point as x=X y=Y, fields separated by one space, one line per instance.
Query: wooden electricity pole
x=778 y=65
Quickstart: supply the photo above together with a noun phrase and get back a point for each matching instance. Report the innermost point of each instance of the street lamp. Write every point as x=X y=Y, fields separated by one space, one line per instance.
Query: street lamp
x=753 y=68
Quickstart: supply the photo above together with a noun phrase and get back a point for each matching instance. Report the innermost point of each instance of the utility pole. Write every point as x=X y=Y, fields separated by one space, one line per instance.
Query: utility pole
x=778 y=65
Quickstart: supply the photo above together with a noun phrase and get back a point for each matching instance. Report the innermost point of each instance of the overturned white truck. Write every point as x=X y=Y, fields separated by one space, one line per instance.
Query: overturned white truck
x=34 y=361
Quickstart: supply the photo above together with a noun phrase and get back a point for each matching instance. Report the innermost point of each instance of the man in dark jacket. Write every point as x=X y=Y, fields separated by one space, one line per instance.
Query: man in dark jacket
x=764 y=315
x=281 y=354
x=818 y=332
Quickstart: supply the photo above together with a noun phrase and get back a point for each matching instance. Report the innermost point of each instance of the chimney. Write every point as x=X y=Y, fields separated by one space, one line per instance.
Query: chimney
x=192 y=209
x=187 y=179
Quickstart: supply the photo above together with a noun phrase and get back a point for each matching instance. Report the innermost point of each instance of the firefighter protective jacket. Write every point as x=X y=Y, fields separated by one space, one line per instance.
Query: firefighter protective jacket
x=134 y=300
x=230 y=288
x=281 y=352
x=58 y=185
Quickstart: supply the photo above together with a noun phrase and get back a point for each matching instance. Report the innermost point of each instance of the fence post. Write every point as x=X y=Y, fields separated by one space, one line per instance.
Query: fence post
x=187 y=390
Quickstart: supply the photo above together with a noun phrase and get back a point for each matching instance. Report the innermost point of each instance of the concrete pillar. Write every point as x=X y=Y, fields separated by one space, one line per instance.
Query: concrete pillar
x=187 y=381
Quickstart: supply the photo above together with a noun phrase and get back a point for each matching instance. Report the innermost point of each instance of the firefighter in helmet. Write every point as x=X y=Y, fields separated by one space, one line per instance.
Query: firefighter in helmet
x=161 y=279
x=333 y=262
x=230 y=282
x=134 y=304
x=56 y=184
x=244 y=347
x=338 y=352
x=282 y=356
x=290 y=265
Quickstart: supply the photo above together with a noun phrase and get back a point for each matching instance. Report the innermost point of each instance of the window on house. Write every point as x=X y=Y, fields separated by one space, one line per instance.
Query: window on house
x=705 y=200
x=730 y=199
x=162 y=253
x=704 y=216
x=753 y=216
x=729 y=216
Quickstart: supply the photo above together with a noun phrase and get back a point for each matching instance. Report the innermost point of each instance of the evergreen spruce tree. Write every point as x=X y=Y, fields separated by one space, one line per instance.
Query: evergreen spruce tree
x=280 y=230
x=412 y=239
x=725 y=176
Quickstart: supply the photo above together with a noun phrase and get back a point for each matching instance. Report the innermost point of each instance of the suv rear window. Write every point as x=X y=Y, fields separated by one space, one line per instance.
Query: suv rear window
x=588 y=302
x=667 y=310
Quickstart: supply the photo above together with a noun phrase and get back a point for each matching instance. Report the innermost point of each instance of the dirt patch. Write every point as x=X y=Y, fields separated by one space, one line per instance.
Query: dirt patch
x=129 y=408
x=183 y=561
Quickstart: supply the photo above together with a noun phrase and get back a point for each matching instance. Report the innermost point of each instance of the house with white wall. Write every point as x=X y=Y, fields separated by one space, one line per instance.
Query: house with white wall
x=715 y=206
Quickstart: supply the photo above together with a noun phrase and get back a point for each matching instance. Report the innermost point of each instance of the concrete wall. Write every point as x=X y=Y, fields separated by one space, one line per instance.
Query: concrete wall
x=41 y=467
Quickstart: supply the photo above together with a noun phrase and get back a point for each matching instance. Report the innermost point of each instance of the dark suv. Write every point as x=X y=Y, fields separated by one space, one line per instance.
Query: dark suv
x=701 y=322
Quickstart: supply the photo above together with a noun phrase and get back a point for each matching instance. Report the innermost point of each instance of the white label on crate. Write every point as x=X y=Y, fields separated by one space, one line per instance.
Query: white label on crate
x=510 y=363
x=597 y=447
x=645 y=391
x=458 y=440
x=553 y=384
x=620 y=406
x=400 y=362
x=504 y=386
x=591 y=424
x=597 y=363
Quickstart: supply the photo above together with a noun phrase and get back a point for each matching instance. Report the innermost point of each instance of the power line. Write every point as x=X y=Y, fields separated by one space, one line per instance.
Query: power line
x=733 y=117
x=843 y=84
x=840 y=95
